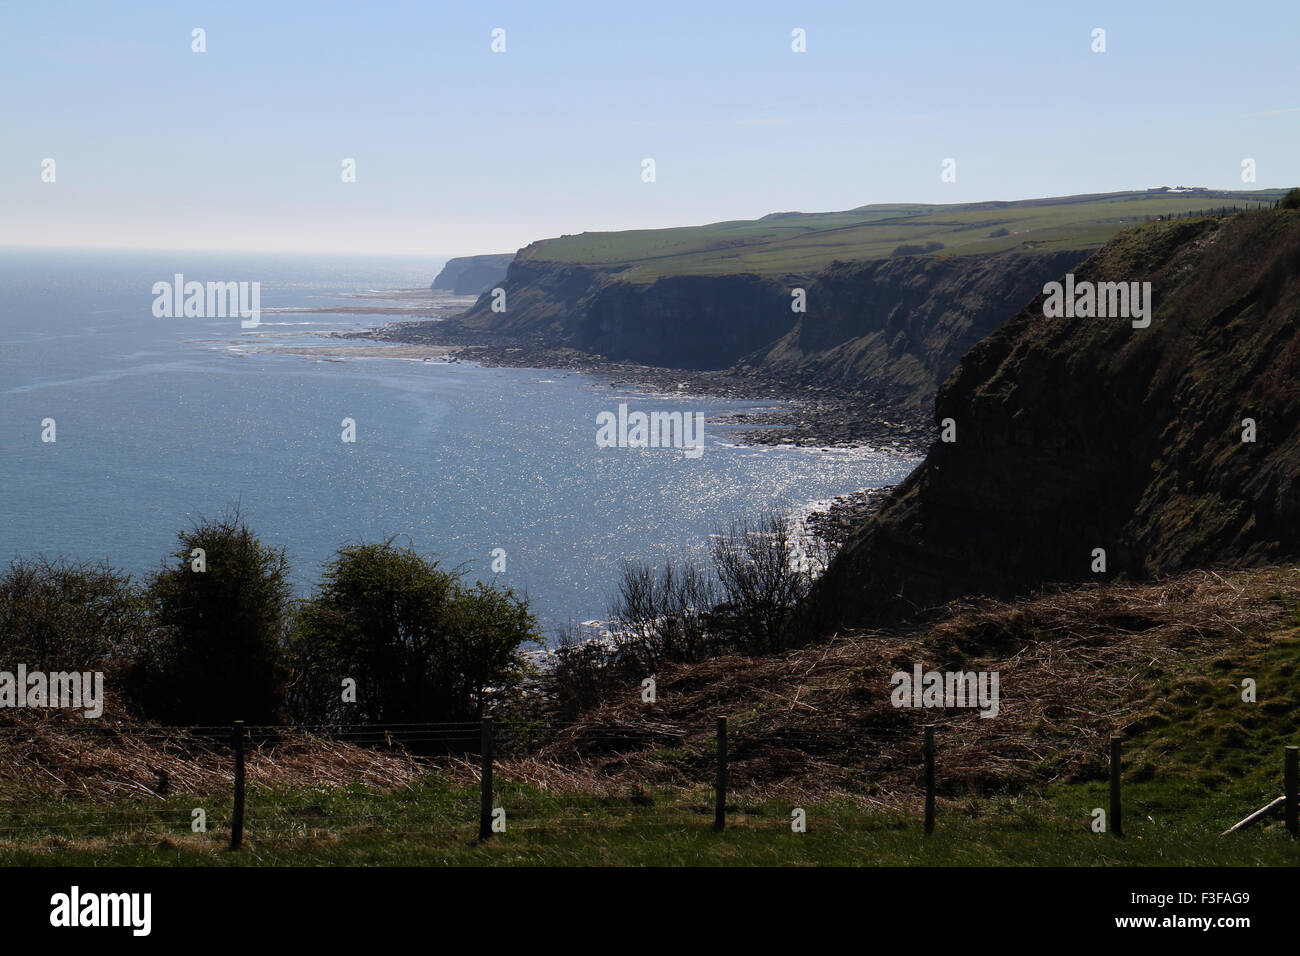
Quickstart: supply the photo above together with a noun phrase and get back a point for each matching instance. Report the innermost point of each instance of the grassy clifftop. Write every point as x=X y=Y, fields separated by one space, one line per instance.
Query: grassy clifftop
x=895 y=294
x=803 y=243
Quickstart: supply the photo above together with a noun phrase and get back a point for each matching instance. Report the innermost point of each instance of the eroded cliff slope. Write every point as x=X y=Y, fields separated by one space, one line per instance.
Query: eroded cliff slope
x=891 y=328
x=1077 y=434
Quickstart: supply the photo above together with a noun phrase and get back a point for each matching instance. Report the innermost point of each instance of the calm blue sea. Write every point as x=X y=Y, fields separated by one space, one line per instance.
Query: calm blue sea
x=160 y=421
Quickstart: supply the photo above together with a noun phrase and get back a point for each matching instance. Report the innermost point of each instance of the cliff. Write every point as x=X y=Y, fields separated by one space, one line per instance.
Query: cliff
x=882 y=328
x=472 y=275
x=893 y=328
x=1080 y=433
x=900 y=326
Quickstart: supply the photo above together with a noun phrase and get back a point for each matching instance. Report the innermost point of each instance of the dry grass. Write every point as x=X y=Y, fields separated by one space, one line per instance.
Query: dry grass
x=1075 y=666
x=52 y=755
x=815 y=723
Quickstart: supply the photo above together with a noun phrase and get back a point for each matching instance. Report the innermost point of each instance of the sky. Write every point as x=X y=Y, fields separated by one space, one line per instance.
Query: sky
x=461 y=150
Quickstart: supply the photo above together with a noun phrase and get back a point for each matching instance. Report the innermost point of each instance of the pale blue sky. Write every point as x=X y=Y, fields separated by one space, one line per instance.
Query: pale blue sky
x=460 y=150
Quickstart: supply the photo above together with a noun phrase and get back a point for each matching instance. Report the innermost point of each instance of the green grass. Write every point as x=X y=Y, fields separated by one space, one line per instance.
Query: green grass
x=1200 y=762
x=1166 y=823
x=1205 y=735
x=805 y=242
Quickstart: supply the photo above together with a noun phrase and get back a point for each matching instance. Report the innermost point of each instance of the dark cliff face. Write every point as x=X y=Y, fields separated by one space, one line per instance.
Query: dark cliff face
x=471 y=275
x=1083 y=433
x=901 y=325
x=894 y=327
x=700 y=322
x=542 y=300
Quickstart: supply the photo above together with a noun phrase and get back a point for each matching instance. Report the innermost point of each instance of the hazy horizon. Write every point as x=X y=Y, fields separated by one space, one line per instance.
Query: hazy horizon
x=440 y=258
x=460 y=150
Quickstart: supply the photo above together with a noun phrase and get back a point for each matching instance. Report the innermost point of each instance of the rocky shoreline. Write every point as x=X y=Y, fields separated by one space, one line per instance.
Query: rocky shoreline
x=836 y=524
x=809 y=415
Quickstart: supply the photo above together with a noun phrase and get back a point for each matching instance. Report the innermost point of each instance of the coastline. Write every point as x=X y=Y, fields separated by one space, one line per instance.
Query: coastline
x=836 y=522
x=831 y=418
x=823 y=415
x=828 y=419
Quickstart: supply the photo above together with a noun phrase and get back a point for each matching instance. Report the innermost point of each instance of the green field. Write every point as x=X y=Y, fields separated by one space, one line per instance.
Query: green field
x=801 y=243
x=434 y=824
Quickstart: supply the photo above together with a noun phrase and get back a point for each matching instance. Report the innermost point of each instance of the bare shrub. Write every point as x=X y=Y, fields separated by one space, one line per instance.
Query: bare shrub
x=762 y=577
x=584 y=672
x=662 y=617
x=681 y=613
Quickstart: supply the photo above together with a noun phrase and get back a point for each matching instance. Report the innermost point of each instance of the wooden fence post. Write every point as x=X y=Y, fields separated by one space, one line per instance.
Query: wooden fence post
x=1290 y=783
x=720 y=798
x=1116 y=821
x=485 y=781
x=928 y=751
x=237 y=821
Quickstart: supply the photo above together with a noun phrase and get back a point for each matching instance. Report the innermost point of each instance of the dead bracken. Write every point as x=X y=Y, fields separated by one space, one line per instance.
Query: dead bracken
x=1076 y=666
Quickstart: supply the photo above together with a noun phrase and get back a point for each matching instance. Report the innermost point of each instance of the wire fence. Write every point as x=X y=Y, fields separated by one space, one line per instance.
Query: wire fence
x=491 y=777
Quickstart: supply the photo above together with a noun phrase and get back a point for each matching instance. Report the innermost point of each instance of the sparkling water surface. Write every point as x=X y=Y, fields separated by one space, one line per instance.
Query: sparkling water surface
x=160 y=421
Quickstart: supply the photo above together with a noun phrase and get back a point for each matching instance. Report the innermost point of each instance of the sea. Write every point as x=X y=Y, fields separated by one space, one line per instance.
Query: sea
x=158 y=422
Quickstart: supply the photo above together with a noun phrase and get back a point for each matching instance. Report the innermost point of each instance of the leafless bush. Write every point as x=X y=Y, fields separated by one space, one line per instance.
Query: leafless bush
x=661 y=617
x=585 y=671
x=762 y=578
x=683 y=614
